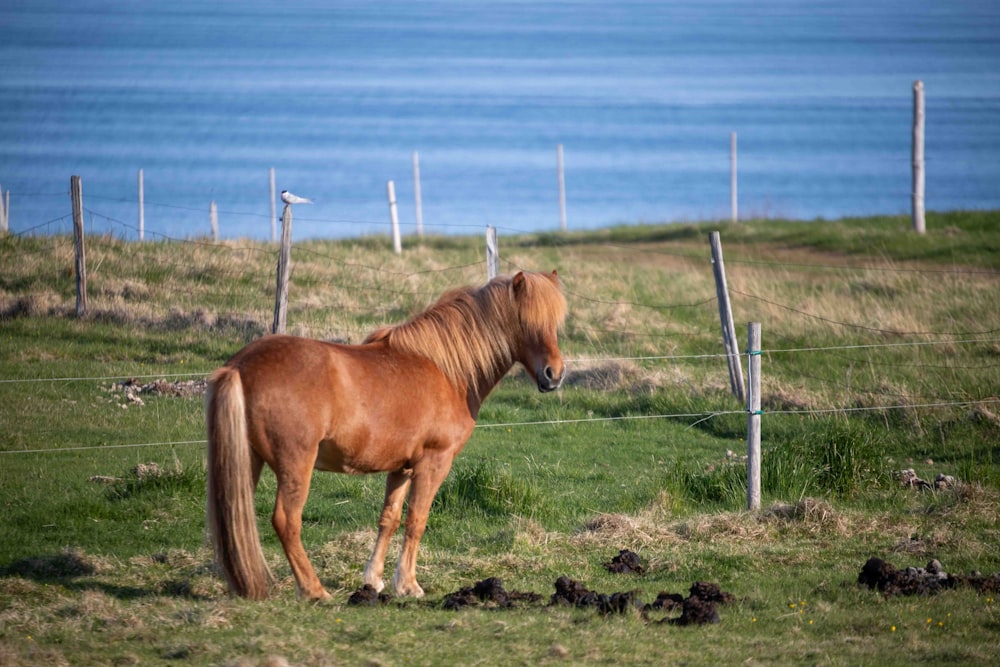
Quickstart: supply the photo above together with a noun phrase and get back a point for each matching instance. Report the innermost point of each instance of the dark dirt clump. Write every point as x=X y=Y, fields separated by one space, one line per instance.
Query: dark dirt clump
x=488 y=592
x=886 y=578
x=367 y=596
x=625 y=562
x=666 y=602
x=698 y=608
x=696 y=611
x=710 y=592
x=573 y=593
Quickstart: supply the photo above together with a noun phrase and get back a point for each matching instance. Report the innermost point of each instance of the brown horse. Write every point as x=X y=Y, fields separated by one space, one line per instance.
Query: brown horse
x=403 y=402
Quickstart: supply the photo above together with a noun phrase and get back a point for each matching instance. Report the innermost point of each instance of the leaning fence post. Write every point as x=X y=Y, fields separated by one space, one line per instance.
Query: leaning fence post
x=753 y=417
x=76 y=194
x=726 y=318
x=397 y=245
x=284 y=266
x=492 y=253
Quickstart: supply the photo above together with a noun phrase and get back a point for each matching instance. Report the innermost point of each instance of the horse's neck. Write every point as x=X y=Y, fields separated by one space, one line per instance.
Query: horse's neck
x=486 y=382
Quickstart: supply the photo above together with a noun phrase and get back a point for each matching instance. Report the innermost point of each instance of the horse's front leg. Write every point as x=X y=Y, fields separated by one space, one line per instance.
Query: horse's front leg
x=428 y=475
x=396 y=485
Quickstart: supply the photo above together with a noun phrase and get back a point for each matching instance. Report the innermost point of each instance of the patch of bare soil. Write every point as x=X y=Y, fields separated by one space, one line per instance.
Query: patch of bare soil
x=886 y=578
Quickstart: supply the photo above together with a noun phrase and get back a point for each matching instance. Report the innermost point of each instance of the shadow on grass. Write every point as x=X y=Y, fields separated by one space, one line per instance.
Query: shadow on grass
x=71 y=569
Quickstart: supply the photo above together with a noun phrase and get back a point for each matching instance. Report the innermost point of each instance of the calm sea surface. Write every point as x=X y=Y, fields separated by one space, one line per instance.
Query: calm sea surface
x=336 y=96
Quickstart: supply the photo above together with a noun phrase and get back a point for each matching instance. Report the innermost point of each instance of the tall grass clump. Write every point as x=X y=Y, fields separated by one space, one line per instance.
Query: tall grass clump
x=722 y=485
x=489 y=488
x=832 y=459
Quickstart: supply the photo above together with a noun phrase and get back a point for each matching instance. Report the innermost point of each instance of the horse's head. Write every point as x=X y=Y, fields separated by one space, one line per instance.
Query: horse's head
x=542 y=310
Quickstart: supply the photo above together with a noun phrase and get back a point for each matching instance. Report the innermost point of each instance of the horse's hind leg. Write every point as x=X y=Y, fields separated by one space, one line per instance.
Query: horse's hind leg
x=396 y=486
x=427 y=478
x=293 y=489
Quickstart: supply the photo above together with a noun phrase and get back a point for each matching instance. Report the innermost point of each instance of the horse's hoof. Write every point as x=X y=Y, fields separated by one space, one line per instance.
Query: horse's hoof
x=319 y=596
x=377 y=584
x=412 y=590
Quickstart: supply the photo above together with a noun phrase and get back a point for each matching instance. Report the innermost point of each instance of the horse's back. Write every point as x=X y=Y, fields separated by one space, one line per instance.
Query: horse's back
x=366 y=407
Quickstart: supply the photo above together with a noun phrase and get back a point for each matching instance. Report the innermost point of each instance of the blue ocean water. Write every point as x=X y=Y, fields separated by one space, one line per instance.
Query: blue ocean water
x=336 y=96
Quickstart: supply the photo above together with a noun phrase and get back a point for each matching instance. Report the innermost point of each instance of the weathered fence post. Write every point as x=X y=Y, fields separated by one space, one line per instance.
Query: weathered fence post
x=732 y=177
x=142 y=208
x=284 y=267
x=726 y=319
x=3 y=212
x=416 y=193
x=562 y=188
x=918 y=157
x=6 y=209
x=397 y=245
x=492 y=253
x=213 y=219
x=274 y=209
x=76 y=195
x=753 y=417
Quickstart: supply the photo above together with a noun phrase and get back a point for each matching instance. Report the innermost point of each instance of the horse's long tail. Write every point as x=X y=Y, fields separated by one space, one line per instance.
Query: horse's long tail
x=232 y=523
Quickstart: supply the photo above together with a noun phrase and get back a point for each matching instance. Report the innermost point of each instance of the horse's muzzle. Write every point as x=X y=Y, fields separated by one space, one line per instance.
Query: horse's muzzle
x=547 y=379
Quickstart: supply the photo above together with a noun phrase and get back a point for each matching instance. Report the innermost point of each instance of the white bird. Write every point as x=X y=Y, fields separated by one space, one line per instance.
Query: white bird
x=289 y=198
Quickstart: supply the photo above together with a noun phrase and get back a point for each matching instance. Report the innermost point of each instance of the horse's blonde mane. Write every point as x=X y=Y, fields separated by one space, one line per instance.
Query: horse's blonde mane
x=470 y=333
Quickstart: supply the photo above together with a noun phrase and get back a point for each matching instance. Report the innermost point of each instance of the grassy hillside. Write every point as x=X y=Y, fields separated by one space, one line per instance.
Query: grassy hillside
x=880 y=354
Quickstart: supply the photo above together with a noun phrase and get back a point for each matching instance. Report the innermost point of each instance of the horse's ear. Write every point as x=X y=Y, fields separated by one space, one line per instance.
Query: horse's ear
x=518 y=282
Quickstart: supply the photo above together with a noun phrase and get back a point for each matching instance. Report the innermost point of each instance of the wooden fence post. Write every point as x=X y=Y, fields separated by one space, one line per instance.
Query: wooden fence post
x=3 y=213
x=76 y=194
x=918 y=157
x=6 y=209
x=492 y=253
x=732 y=178
x=213 y=219
x=142 y=207
x=397 y=245
x=284 y=267
x=753 y=417
x=274 y=210
x=416 y=193
x=726 y=319
x=562 y=188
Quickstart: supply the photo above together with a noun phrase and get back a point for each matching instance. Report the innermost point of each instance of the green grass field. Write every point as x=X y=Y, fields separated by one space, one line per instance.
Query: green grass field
x=881 y=351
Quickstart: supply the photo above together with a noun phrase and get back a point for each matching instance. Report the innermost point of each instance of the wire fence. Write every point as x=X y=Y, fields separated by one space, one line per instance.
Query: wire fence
x=389 y=280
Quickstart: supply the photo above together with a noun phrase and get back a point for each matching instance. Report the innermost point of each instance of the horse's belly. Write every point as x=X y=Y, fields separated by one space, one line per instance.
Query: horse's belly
x=333 y=457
